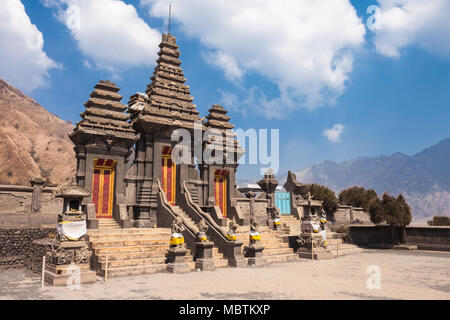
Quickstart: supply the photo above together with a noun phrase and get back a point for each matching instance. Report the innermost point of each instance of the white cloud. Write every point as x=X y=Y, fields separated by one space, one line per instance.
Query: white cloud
x=334 y=134
x=23 y=61
x=413 y=22
x=304 y=47
x=109 y=32
x=226 y=62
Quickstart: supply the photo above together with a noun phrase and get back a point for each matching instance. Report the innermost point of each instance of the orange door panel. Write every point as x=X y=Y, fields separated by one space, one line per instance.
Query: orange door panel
x=103 y=187
x=168 y=175
x=220 y=190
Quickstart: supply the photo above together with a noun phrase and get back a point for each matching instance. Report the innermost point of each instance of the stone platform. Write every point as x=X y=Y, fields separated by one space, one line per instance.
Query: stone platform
x=66 y=275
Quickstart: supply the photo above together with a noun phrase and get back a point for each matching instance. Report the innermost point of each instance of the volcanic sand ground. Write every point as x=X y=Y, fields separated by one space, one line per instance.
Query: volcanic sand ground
x=404 y=275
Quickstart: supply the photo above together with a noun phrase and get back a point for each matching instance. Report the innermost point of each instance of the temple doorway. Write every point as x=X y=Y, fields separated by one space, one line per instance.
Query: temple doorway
x=168 y=174
x=103 y=187
x=283 y=202
x=220 y=190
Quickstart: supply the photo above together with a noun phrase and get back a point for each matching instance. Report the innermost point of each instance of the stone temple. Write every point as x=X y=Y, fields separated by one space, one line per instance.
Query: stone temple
x=146 y=212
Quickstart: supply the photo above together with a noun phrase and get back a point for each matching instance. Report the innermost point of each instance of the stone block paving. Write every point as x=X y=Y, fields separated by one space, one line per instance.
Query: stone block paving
x=404 y=275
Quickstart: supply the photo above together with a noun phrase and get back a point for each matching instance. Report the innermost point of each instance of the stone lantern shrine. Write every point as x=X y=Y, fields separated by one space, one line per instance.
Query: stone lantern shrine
x=269 y=184
x=311 y=243
x=68 y=256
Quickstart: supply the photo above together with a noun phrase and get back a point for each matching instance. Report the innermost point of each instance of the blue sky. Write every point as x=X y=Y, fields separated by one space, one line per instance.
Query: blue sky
x=393 y=95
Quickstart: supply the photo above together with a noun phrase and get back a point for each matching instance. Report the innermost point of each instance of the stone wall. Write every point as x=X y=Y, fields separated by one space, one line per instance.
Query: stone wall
x=18 y=199
x=259 y=209
x=26 y=214
x=426 y=238
x=346 y=215
x=16 y=207
x=16 y=245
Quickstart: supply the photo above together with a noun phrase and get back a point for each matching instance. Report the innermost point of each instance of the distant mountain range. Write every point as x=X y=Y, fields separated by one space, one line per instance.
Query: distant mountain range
x=33 y=142
x=423 y=178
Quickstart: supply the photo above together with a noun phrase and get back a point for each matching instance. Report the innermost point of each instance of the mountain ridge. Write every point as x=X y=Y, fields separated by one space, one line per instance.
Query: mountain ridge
x=33 y=141
x=424 y=178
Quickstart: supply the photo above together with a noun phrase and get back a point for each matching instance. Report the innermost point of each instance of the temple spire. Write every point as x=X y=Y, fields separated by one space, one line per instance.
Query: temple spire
x=168 y=100
x=170 y=16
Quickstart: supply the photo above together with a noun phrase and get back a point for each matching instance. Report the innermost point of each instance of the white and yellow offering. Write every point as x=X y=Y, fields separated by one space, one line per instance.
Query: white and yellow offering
x=254 y=235
x=176 y=239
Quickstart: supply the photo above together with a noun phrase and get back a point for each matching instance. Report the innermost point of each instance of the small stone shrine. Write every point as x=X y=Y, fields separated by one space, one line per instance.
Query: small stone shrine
x=311 y=241
x=68 y=255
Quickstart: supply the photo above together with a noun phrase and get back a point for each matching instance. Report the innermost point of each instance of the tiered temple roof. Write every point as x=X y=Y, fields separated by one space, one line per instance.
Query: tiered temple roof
x=168 y=101
x=217 y=119
x=104 y=115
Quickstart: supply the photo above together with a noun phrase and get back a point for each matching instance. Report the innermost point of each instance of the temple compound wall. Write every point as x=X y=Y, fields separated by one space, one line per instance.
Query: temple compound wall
x=425 y=238
x=28 y=206
x=27 y=213
x=346 y=215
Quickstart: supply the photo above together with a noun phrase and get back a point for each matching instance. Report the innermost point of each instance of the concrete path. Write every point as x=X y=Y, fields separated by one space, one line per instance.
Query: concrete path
x=401 y=275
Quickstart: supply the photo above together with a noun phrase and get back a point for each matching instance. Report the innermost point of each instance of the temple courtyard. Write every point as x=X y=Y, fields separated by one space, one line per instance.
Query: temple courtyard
x=401 y=274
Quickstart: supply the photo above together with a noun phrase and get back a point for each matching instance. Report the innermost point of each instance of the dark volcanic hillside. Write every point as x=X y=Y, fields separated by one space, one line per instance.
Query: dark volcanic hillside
x=33 y=142
x=423 y=178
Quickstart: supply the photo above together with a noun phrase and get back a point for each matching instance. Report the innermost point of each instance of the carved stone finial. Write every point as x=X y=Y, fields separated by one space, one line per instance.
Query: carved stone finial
x=203 y=228
x=177 y=225
x=231 y=234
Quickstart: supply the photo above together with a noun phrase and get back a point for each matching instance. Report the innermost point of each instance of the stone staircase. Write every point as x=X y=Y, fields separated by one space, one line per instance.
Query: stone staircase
x=292 y=223
x=129 y=251
x=145 y=194
x=340 y=248
x=194 y=194
x=108 y=224
x=275 y=248
x=219 y=260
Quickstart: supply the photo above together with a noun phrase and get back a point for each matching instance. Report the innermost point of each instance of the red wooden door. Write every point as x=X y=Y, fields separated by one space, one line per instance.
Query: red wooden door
x=220 y=190
x=168 y=175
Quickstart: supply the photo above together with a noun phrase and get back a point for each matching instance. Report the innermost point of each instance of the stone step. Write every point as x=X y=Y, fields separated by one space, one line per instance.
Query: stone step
x=132 y=231
x=117 y=237
x=129 y=242
x=134 y=270
x=132 y=262
x=220 y=263
x=276 y=245
x=281 y=257
x=341 y=246
x=347 y=251
x=278 y=251
x=131 y=255
x=263 y=240
x=129 y=249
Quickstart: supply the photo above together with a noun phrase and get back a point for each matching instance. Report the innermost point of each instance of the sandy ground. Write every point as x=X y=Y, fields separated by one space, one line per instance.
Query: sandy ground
x=402 y=275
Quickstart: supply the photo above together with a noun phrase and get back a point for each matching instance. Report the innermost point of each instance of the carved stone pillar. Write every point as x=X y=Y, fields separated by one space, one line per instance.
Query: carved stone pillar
x=36 y=199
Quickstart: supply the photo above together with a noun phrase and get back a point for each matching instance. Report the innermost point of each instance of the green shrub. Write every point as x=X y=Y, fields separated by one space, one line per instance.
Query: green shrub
x=439 y=221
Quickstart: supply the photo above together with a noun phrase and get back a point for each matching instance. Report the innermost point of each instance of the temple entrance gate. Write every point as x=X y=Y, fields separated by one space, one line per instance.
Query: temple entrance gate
x=103 y=187
x=283 y=202
x=168 y=174
x=220 y=190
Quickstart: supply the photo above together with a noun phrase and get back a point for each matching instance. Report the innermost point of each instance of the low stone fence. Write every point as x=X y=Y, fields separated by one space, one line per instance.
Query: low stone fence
x=425 y=238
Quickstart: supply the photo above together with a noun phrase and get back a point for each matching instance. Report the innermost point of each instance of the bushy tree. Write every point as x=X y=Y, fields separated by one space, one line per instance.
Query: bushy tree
x=320 y=192
x=439 y=221
x=358 y=197
x=376 y=214
x=364 y=198
x=396 y=212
